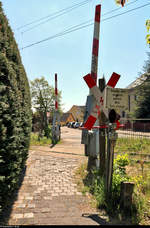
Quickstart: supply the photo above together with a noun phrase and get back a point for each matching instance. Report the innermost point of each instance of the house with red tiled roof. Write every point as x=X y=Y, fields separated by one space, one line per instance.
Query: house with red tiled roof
x=77 y=112
x=65 y=118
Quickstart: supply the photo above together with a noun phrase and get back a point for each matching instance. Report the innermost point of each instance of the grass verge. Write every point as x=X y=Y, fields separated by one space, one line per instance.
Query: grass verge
x=35 y=141
x=124 y=169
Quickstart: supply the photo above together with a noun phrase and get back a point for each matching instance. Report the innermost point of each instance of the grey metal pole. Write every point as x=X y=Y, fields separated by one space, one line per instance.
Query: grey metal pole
x=102 y=138
x=56 y=117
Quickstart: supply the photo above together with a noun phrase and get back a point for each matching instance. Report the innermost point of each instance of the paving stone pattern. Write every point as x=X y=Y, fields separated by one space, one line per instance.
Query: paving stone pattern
x=48 y=194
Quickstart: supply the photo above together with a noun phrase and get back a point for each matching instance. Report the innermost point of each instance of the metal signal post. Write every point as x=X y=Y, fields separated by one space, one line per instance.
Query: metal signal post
x=101 y=120
x=112 y=124
x=56 y=117
x=90 y=138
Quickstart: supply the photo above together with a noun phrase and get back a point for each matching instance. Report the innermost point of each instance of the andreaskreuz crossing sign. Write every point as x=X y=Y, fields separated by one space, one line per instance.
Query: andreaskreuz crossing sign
x=99 y=96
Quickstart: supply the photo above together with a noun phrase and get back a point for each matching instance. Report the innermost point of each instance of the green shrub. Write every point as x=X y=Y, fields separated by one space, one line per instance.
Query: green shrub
x=97 y=185
x=121 y=160
x=119 y=175
x=48 y=132
x=99 y=192
x=15 y=112
x=140 y=200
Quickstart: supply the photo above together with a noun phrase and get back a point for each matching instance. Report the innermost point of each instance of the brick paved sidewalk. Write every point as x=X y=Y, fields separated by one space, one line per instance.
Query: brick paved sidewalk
x=49 y=196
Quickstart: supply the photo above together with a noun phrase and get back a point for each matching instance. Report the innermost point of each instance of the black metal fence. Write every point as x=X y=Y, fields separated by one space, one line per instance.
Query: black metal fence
x=135 y=128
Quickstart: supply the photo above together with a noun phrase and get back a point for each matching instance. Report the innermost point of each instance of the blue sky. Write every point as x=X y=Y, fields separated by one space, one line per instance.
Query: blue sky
x=122 y=43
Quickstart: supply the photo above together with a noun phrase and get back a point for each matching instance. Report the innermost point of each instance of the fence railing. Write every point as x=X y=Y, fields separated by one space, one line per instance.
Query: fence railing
x=135 y=128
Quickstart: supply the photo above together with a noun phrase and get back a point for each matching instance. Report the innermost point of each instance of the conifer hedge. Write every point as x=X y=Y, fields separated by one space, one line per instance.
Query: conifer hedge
x=15 y=112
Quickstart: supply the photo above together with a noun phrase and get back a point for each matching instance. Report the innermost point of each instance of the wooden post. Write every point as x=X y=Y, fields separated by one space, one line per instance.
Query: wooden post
x=91 y=164
x=126 y=196
x=111 y=141
x=102 y=138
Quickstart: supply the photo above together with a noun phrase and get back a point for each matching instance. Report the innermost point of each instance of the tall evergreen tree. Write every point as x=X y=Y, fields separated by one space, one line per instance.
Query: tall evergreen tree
x=15 y=112
x=143 y=93
x=143 y=99
x=146 y=67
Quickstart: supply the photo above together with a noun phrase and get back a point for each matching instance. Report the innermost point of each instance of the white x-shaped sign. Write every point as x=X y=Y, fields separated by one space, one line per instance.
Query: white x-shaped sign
x=99 y=96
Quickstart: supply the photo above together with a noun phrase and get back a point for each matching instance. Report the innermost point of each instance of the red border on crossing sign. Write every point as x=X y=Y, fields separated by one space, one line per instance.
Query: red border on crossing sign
x=89 y=81
x=113 y=80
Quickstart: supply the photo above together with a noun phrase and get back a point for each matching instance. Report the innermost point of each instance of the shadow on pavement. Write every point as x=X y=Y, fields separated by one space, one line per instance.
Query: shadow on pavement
x=5 y=214
x=96 y=218
x=52 y=145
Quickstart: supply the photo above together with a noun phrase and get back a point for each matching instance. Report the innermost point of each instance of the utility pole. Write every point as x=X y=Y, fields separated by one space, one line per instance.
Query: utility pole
x=56 y=118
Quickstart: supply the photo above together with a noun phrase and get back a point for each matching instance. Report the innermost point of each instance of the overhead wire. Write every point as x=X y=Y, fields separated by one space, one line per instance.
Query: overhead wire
x=68 y=11
x=76 y=27
x=118 y=8
x=54 y=15
x=126 y=12
x=78 y=5
x=69 y=30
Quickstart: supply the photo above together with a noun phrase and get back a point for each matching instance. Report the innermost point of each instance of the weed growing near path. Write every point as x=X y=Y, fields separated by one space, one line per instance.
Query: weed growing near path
x=35 y=141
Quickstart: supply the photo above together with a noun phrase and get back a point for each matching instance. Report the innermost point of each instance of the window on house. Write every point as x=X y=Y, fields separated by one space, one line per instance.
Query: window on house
x=135 y=97
x=129 y=102
x=123 y=114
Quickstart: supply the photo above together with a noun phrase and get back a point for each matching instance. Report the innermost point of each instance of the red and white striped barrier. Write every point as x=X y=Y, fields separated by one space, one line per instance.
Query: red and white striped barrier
x=95 y=48
x=56 y=94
